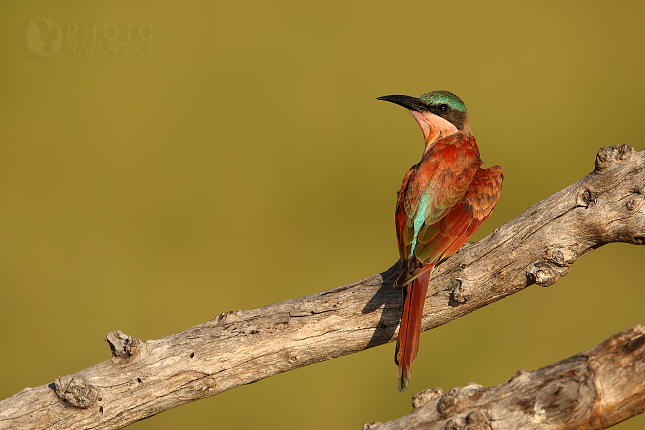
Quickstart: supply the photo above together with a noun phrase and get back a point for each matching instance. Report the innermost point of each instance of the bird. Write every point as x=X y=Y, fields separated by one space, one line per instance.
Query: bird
x=442 y=201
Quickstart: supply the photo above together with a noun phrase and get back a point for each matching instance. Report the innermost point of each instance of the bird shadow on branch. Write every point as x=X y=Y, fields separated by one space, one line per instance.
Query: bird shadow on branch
x=388 y=298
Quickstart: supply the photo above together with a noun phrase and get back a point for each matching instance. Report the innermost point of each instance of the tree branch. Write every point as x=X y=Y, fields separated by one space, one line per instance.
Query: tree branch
x=592 y=390
x=236 y=348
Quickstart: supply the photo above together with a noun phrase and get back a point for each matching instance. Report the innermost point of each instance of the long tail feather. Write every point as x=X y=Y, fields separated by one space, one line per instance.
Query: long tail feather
x=407 y=344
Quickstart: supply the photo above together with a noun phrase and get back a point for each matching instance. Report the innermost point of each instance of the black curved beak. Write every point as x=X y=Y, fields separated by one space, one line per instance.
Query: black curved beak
x=407 y=102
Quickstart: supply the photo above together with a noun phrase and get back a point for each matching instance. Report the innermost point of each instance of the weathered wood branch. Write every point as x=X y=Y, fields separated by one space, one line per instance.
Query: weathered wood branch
x=145 y=378
x=592 y=390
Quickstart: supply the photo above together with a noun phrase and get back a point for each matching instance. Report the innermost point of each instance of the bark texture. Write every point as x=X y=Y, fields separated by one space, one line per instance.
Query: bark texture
x=145 y=378
x=592 y=390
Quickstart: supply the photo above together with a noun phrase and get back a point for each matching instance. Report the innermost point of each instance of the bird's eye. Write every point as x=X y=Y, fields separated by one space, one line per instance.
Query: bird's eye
x=443 y=107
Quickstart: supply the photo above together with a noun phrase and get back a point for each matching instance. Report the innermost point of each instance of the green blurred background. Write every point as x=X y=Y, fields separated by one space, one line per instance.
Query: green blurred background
x=150 y=150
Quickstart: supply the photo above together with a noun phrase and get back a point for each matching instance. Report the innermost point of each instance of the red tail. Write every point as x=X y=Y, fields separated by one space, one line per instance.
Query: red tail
x=408 y=343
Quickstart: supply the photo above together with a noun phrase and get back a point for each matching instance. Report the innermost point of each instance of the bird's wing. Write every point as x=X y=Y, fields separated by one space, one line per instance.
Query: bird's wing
x=444 y=238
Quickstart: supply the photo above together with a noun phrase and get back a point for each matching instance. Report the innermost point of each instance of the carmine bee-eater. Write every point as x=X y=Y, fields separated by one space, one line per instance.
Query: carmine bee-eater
x=443 y=200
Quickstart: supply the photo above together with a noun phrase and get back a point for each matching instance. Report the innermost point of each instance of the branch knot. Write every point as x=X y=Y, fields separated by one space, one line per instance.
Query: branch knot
x=475 y=420
x=544 y=274
x=608 y=156
x=557 y=260
x=459 y=397
x=586 y=199
x=425 y=397
x=561 y=255
x=76 y=391
x=122 y=345
x=460 y=290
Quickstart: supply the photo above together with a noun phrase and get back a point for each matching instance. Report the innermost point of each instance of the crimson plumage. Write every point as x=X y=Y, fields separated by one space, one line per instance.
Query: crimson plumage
x=442 y=201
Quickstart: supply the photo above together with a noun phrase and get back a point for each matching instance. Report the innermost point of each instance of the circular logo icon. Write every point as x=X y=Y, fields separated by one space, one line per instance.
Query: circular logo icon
x=44 y=37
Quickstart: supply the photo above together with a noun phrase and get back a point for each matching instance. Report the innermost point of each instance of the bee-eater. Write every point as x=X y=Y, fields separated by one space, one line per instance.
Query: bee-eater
x=442 y=201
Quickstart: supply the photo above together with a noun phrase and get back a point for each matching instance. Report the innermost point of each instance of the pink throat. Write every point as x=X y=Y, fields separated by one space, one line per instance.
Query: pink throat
x=434 y=127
